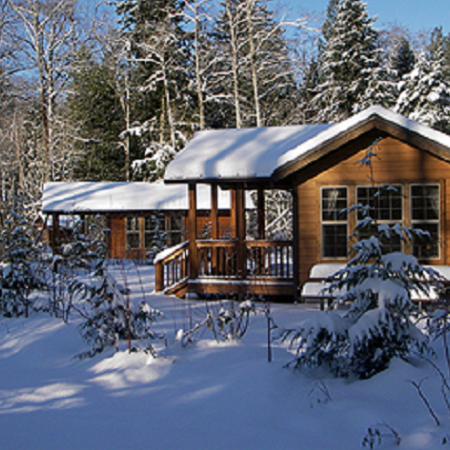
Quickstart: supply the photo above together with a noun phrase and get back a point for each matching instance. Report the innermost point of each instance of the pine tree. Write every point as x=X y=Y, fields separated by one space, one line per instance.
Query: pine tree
x=378 y=286
x=162 y=60
x=94 y=107
x=403 y=60
x=347 y=63
x=20 y=256
x=425 y=92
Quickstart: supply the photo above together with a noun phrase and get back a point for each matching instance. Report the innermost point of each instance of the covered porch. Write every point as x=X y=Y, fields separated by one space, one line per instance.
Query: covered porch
x=236 y=263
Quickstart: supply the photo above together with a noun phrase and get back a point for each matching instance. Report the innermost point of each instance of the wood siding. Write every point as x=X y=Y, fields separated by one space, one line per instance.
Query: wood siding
x=396 y=163
x=118 y=239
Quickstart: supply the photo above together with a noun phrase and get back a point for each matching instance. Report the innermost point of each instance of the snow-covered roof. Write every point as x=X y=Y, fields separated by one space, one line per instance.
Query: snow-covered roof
x=243 y=153
x=251 y=153
x=65 y=197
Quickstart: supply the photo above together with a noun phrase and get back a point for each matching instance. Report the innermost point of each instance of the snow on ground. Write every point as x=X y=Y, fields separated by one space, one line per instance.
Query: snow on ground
x=205 y=396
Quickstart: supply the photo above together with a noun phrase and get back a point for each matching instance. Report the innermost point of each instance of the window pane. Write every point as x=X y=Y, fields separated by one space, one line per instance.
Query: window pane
x=133 y=223
x=176 y=223
x=425 y=202
x=427 y=246
x=132 y=240
x=385 y=204
x=334 y=201
x=154 y=223
x=334 y=241
x=388 y=244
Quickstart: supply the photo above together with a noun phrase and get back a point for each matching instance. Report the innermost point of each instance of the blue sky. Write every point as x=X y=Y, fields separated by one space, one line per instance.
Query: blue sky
x=417 y=15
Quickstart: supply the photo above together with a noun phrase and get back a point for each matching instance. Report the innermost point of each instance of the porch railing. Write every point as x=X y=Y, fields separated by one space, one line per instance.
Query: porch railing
x=269 y=259
x=219 y=259
x=171 y=267
x=263 y=259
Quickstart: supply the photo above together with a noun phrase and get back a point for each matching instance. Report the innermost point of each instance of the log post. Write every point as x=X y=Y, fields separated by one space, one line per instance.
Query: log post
x=295 y=246
x=55 y=233
x=214 y=227
x=159 y=276
x=240 y=233
x=261 y=214
x=192 y=232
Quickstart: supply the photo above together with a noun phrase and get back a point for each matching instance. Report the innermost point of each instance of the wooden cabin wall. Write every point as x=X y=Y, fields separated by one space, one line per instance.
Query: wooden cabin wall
x=204 y=225
x=395 y=163
x=118 y=239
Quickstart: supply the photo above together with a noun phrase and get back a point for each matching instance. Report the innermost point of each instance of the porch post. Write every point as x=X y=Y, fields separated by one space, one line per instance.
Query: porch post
x=233 y=214
x=55 y=232
x=261 y=214
x=295 y=249
x=240 y=234
x=214 y=213
x=214 y=227
x=192 y=232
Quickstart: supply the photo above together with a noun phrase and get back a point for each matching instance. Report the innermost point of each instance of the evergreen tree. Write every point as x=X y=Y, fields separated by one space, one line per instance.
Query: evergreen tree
x=439 y=46
x=403 y=60
x=425 y=92
x=162 y=59
x=94 y=106
x=350 y=56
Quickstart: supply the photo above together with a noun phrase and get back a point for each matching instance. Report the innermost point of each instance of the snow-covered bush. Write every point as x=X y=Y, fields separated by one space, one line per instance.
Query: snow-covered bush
x=110 y=317
x=85 y=255
x=378 y=287
x=227 y=321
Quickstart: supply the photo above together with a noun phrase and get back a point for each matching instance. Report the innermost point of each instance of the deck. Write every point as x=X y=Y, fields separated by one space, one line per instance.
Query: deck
x=251 y=267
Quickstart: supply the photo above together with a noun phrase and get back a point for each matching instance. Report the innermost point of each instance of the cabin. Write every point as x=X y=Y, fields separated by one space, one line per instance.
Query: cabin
x=320 y=166
x=137 y=215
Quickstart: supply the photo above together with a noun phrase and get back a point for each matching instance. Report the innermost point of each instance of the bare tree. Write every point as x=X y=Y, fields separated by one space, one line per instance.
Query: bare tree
x=48 y=32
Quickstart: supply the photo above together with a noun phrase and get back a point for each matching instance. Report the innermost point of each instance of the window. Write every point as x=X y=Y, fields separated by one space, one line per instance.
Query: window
x=425 y=214
x=385 y=207
x=334 y=222
x=154 y=230
x=176 y=225
x=133 y=240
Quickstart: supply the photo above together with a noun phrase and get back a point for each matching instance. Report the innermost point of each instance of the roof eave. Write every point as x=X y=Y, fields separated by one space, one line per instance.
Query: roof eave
x=372 y=123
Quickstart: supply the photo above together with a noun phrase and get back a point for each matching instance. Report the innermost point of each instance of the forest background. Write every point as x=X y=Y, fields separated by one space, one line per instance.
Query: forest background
x=112 y=92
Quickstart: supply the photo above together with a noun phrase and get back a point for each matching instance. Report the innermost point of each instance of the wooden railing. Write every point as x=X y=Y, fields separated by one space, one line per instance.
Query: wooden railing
x=171 y=267
x=263 y=259
x=217 y=258
x=226 y=259
x=267 y=259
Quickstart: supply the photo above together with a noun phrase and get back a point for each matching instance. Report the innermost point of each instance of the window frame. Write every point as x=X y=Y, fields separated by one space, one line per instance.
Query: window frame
x=437 y=221
x=133 y=231
x=325 y=223
x=379 y=221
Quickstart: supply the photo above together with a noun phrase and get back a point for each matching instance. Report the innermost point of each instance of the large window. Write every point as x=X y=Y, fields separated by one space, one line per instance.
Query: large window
x=425 y=213
x=334 y=222
x=385 y=206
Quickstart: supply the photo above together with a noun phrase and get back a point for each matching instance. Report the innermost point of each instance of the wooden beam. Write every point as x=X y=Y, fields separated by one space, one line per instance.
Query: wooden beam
x=55 y=232
x=240 y=232
x=261 y=214
x=214 y=227
x=233 y=213
x=295 y=242
x=214 y=213
x=192 y=232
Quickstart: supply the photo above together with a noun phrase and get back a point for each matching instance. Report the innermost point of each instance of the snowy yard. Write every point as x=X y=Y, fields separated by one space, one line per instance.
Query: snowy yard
x=204 y=396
